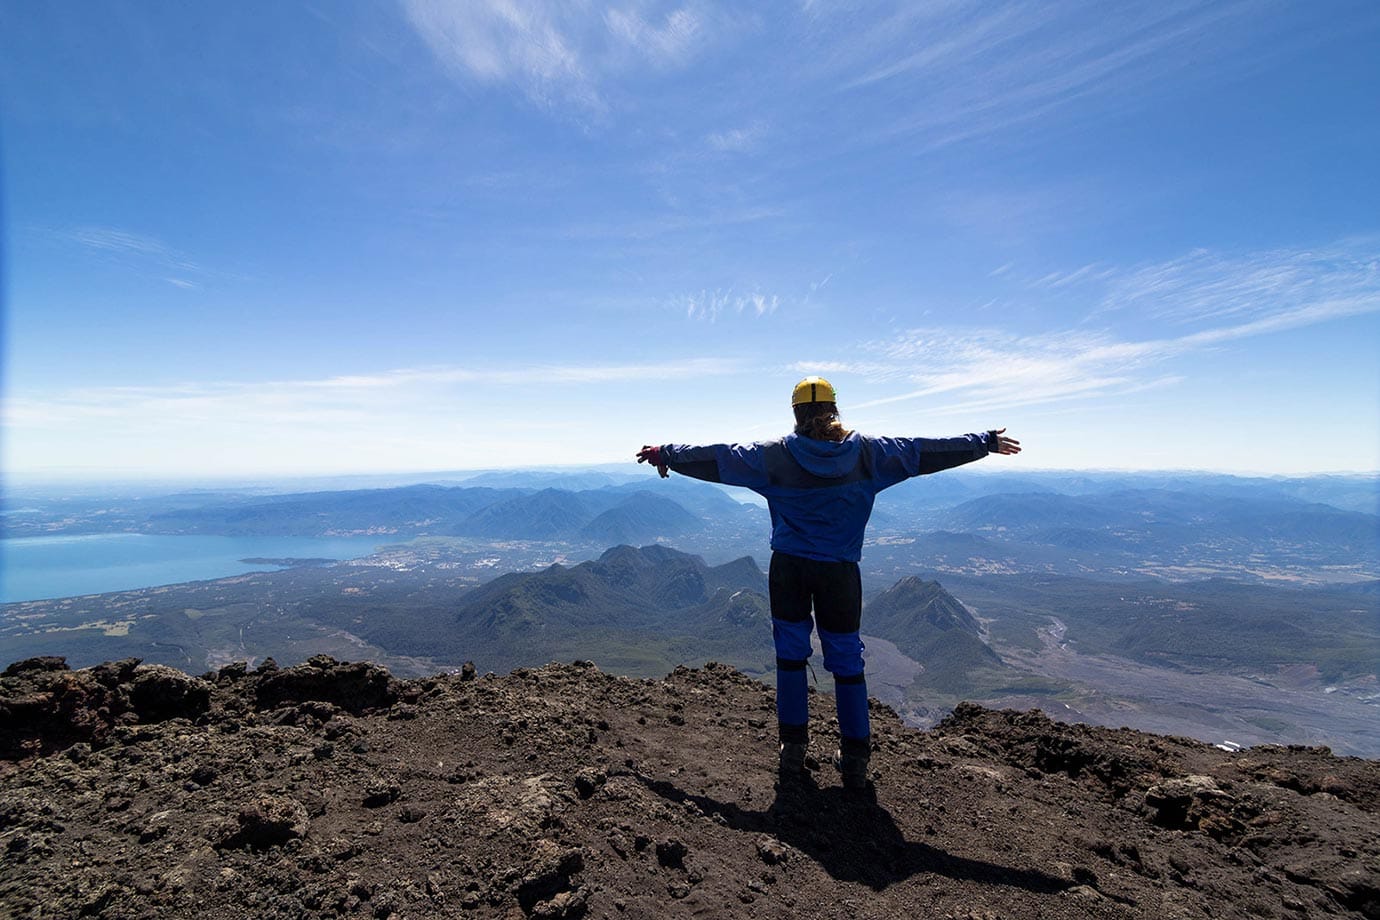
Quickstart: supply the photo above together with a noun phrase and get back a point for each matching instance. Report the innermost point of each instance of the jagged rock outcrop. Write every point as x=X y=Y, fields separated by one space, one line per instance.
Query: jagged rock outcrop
x=354 y=686
x=44 y=704
x=332 y=789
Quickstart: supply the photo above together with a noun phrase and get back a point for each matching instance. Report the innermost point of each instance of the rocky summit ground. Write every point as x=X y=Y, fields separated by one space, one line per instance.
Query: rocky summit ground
x=329 y=789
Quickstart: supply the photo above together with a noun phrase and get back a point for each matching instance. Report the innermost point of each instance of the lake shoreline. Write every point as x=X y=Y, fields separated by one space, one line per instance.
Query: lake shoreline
x=75 y=565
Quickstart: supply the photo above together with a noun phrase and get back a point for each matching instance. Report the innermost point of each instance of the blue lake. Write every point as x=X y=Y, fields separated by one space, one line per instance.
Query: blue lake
x=62 y=566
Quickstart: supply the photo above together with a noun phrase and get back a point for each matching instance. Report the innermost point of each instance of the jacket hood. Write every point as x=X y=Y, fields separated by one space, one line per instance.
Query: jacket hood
x=829 y=459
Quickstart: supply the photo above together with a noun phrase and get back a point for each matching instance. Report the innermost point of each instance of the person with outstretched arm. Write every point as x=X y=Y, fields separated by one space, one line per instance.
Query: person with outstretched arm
x=820 y=482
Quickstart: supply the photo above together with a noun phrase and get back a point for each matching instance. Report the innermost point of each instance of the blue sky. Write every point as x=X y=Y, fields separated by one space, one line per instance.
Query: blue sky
x=247 y=239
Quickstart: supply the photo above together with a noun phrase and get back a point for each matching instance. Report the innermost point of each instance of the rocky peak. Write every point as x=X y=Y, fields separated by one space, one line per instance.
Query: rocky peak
x=918 y=601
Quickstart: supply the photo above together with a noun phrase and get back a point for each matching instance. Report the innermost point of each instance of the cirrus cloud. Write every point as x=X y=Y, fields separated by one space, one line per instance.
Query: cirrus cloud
x=561 y=54
x=1229 y=297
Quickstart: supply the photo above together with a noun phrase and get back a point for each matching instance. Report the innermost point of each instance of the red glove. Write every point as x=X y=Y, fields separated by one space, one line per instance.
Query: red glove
x=652 y=455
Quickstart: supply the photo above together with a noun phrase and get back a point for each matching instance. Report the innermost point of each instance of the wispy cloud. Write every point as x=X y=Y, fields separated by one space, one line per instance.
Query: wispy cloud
x=737 y=140
x=874 y=370
x=648 y=227
x=844 y=75
x=1204 y=285
x=521 y=376
x=328 y=401
x=957 y=34
x=1061 y=279
x=966 y=69
x=562 y=54
x=110 y=239
x=430 y=418
x=710 y=305
x=140 y=252
x=494 y=41
x=665 y=41
x=1242 y=297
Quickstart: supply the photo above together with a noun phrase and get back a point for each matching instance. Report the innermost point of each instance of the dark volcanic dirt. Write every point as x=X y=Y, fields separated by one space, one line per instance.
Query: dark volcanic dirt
x=333 y=789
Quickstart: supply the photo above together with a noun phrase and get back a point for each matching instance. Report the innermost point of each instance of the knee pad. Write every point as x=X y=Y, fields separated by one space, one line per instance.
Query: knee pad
x=842 y=653
x=792 y=638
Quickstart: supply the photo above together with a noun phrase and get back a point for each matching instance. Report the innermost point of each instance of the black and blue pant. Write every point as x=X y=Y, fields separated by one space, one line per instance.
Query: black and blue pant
x=832 y=591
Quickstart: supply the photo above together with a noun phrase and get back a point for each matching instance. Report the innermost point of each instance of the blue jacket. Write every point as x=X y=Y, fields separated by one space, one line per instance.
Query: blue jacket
x=820 y=493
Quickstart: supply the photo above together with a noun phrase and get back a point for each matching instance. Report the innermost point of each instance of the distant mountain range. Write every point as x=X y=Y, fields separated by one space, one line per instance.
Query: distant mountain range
x=1193 y=515
x=1348 y=492
x=551 y=514
x=1172 y=526
x=554 y=514
x=604 y=516
x=638 y=518
x=405 y=510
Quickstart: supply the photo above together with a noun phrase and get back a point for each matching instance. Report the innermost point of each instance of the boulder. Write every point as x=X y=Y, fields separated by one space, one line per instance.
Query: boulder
x=158 y=692
x=353 y=686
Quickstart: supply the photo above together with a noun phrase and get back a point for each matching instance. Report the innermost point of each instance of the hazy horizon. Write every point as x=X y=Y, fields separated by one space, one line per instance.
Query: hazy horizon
x=631 y=470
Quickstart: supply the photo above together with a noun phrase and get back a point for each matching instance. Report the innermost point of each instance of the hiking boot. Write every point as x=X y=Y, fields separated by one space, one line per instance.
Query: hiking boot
x=792 y=758
x=851 y=759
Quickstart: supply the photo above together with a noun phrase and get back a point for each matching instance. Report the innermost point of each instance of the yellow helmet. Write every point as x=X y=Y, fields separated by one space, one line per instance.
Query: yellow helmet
x=813 y=390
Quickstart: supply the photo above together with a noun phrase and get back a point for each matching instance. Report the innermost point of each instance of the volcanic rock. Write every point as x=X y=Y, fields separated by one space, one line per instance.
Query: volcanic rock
x=563 y=791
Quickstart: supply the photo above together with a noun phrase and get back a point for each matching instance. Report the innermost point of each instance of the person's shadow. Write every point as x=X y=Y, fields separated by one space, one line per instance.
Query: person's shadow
x=853 y=837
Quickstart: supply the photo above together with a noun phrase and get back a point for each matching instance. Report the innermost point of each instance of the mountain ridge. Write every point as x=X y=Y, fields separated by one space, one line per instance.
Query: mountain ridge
x=630 y=598
x=933 y=627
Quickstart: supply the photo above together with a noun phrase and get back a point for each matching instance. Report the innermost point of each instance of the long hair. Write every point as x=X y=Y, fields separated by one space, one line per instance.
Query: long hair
x=820 y=421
